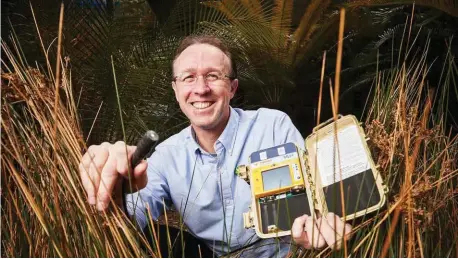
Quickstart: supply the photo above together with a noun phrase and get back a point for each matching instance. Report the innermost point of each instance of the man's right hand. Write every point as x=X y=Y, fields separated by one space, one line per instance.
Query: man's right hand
x=103 y=168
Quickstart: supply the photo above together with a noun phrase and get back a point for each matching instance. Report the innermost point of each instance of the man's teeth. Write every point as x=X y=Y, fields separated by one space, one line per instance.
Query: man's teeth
x=201 y=105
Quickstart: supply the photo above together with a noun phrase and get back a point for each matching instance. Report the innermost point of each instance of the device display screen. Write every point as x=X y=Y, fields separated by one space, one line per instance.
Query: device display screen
x=276 y=178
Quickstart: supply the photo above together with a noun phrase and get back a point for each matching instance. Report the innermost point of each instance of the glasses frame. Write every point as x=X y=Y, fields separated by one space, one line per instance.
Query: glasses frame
x=224 y=76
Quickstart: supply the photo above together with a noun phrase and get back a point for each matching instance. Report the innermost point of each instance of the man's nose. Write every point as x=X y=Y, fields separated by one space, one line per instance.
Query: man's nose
x=201 y=86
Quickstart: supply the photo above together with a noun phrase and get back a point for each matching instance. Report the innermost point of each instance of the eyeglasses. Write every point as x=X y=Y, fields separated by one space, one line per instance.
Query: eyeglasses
x=210 y=78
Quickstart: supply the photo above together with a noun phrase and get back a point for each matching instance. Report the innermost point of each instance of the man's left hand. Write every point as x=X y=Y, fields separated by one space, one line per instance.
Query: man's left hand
x=327 y=230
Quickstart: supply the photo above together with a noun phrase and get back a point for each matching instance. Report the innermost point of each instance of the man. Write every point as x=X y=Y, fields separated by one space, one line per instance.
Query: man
x=194 y=169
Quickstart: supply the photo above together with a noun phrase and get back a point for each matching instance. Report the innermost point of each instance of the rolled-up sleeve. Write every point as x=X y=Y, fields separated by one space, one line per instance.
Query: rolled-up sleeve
x=153 y=196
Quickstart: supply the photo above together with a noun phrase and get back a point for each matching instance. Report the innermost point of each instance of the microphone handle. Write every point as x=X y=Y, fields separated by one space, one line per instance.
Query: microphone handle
x=145 y=146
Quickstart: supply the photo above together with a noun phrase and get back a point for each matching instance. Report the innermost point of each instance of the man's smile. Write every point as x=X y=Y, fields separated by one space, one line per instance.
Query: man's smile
x=202 y=105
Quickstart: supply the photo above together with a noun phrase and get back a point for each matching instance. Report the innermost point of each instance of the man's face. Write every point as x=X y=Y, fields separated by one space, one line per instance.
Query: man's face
x=204 y=102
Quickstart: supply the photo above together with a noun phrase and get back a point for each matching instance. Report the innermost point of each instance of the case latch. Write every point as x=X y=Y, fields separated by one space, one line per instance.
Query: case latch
x=331 y=120
x=248 y=219
x=243 y=172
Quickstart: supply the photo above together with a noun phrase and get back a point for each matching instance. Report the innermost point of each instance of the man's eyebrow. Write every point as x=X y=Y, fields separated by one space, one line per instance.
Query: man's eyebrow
x=193 y=69
x=187 y=70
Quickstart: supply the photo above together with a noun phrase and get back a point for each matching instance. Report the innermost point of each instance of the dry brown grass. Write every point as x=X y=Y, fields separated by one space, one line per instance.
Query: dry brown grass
x=44 y=208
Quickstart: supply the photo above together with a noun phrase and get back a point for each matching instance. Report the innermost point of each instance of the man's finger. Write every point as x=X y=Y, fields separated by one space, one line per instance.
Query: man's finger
x=140 y=175
x=88 y=184
x=108 y=179
x=85 y=174
x=99 y=156
x=140 y=169
x=344 y=229
x=120 y=151
x=339 y=227
x=298 y=233
x=328 y=233
x=313 y=234
x=94 y=176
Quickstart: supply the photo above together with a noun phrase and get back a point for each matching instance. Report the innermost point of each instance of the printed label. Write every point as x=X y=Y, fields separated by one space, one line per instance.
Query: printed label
x=349 y=156
x=263 y=155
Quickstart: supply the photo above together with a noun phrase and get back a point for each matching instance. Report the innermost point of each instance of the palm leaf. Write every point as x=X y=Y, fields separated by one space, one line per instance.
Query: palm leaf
x=447 y=6
x=309 y=18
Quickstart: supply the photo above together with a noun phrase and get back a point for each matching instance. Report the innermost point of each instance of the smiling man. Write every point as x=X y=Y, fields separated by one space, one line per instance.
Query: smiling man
x=194 y=169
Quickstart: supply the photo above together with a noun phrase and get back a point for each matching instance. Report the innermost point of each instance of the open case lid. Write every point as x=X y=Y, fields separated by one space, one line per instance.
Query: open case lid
x=361 y=185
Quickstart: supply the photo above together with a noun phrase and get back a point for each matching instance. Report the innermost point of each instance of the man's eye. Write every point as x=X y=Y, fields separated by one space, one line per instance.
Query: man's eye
x=189 y=78
x=212 y=76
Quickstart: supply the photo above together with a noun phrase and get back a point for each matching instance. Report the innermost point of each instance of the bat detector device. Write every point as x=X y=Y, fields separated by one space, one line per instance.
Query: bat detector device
x=288 y=182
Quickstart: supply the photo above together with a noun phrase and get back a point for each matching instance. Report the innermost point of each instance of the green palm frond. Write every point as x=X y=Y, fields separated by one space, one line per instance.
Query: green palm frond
x=142 y=55
x=429 y=23
x=308 y=22
x=282 y=15
x=447 y=6
x=255 y=7
x=383 y=15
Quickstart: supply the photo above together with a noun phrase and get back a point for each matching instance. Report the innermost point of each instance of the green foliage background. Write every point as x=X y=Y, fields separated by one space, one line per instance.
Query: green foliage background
x=278 y=46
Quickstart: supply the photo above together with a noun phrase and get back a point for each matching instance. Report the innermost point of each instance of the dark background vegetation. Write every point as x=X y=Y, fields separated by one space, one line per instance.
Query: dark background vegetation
x=142 y=35
x=278 y=46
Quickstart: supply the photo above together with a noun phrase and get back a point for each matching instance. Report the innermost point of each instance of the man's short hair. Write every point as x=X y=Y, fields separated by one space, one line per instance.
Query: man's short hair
x=210 y=40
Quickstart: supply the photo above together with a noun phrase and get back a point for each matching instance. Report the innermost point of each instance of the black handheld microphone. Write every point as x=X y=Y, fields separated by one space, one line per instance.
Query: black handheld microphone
x=145 y=147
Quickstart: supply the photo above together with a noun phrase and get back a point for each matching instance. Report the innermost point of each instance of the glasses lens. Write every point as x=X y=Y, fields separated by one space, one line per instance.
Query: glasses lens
x=210 y=78
x=188 y=79
x=213 y=76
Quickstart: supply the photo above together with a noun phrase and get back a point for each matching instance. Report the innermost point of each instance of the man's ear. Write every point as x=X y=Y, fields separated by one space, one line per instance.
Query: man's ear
x=174 y=86
x=234 y=87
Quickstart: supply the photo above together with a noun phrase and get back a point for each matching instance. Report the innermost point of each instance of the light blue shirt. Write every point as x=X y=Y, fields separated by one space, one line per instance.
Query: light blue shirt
x=204 y=188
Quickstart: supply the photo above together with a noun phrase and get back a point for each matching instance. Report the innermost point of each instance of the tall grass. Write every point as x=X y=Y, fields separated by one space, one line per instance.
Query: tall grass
x=44 y=208
x=406 y=123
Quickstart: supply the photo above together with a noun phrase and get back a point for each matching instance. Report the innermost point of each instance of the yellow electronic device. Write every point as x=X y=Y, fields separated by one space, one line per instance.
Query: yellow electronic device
x=287 y=182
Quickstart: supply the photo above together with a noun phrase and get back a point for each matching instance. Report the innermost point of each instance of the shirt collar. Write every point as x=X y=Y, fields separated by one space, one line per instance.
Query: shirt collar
x=227 y=137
